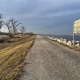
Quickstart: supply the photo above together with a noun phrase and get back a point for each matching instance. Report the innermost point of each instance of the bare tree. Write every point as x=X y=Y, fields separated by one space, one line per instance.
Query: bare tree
x=9 y=28
x=15 y=24
x=1 y=22
x=1 y=16
x=23 y=30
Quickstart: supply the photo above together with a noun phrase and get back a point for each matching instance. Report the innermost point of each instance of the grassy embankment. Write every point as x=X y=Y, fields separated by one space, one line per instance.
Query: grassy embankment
x=13 y=56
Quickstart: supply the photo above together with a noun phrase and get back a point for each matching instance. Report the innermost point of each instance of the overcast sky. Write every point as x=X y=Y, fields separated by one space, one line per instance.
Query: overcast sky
x=39 y=16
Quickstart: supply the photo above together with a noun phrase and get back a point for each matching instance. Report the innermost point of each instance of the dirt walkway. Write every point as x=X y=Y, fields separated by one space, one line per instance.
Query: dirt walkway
x=49 y=60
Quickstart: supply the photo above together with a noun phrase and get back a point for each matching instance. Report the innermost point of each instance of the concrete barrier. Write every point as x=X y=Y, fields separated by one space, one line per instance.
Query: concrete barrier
x=51 y=38
x=77 y=45
x=64 y=41
x=69 y=43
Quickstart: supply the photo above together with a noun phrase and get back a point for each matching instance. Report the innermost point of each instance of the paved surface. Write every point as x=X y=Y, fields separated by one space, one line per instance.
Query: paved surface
x=49 y=60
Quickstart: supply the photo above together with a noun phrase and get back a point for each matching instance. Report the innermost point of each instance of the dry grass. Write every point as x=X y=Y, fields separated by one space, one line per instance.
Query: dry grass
x=12 y=59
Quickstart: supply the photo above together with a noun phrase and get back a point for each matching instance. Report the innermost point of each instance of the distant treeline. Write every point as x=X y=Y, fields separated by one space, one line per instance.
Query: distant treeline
x=3 y=33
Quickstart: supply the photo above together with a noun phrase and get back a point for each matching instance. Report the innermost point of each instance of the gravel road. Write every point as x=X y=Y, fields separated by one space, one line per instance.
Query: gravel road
x=49 y=60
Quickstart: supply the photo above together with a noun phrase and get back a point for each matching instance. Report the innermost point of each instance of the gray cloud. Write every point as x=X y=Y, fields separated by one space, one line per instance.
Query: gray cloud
x=51 y=16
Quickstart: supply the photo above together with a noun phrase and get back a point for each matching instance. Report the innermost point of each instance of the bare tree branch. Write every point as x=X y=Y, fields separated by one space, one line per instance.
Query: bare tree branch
x=1 y=22
x=23 y=30
x=14 y=25
x=1 y=16
x=9 y=27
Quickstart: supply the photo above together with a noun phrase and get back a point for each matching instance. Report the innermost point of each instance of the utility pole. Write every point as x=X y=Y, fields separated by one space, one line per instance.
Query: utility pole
x=73 y=36
x=76 y=29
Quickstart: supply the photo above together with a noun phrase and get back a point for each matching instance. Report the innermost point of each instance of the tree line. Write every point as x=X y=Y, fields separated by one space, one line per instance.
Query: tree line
x=12 y=26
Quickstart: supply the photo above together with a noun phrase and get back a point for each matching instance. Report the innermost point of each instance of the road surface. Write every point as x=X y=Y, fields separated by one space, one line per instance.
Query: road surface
x=49 y=60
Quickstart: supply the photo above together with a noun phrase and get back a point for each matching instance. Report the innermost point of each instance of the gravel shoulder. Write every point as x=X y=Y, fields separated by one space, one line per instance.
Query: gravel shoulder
x=49 y=60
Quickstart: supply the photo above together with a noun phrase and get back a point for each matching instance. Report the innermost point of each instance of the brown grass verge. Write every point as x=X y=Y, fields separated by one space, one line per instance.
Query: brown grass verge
x=12 y=59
